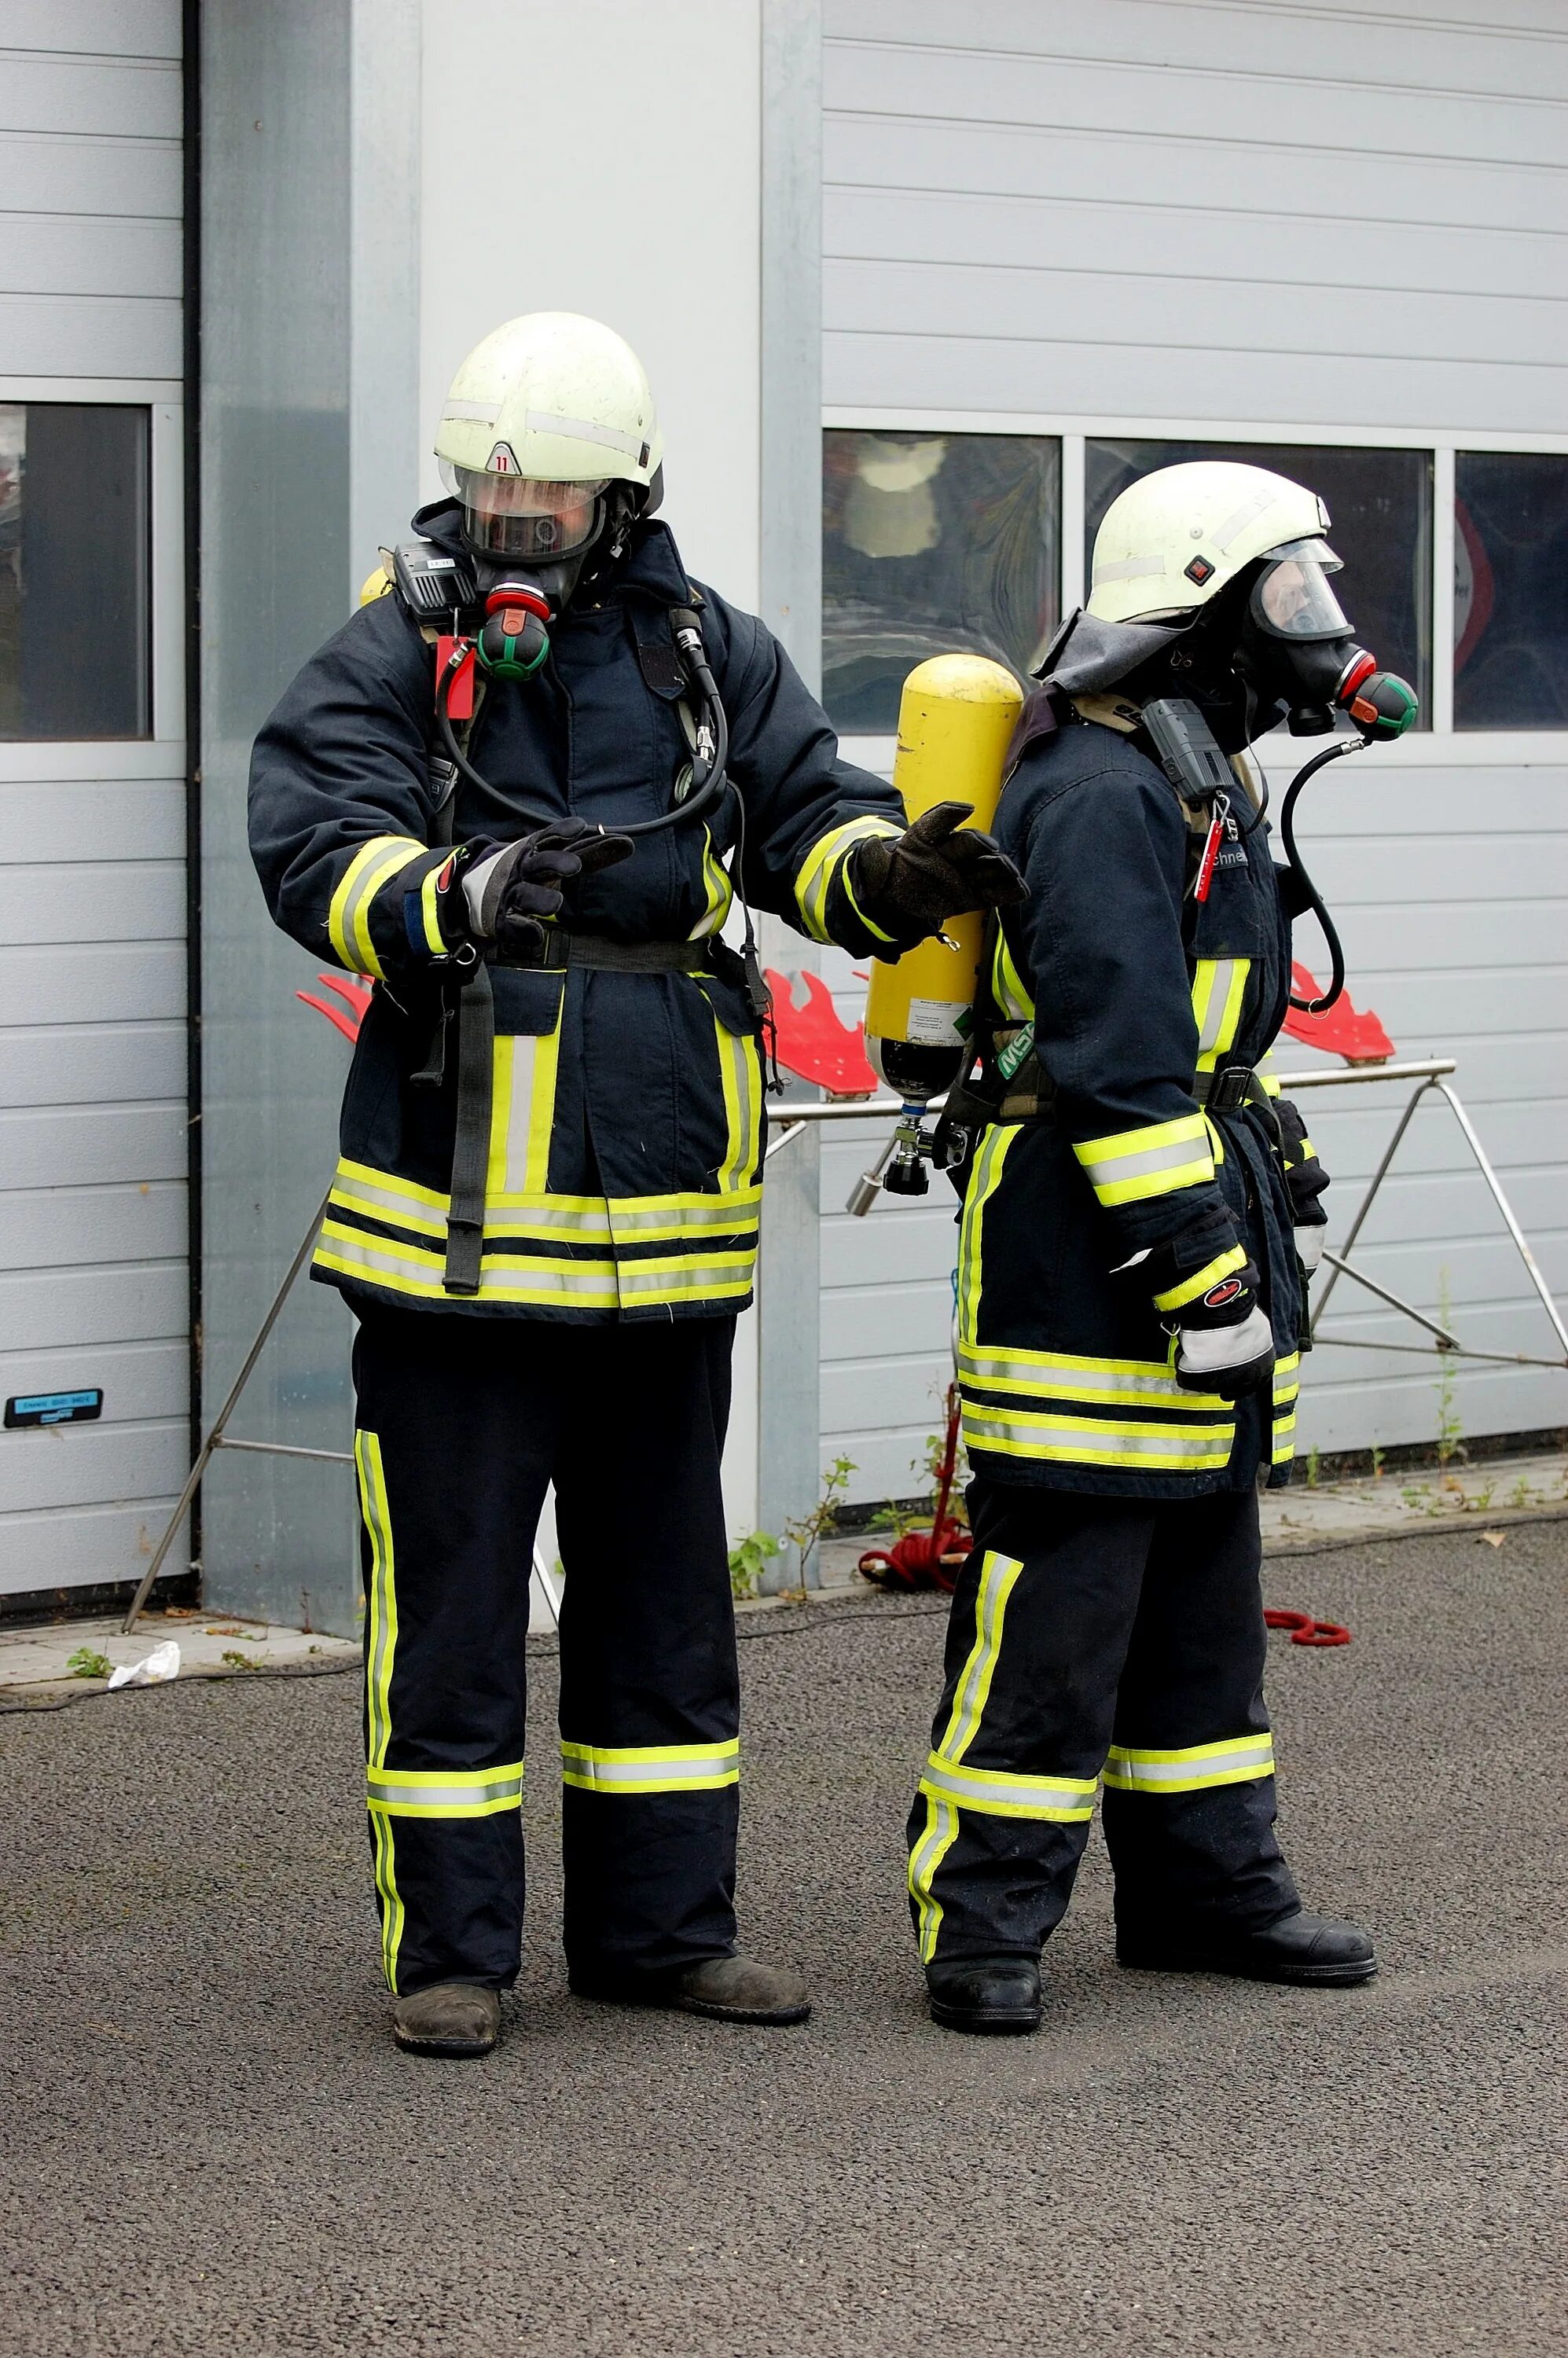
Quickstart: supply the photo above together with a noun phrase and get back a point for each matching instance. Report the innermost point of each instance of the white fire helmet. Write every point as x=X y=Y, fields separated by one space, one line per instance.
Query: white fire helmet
x=1172 y=540
x=542 y=417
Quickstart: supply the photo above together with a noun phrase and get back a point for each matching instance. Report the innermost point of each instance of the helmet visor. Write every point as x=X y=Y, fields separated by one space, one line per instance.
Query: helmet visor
x=519 y=515
x=1292 y=597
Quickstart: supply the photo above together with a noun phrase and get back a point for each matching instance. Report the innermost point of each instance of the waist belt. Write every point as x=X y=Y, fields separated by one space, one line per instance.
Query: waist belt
x=595 y=950
x=1031 y=1097
x=1228 y=1090
x=476 y=1046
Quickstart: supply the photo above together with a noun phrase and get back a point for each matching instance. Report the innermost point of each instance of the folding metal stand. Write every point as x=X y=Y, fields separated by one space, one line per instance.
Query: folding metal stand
x=1429 y=1076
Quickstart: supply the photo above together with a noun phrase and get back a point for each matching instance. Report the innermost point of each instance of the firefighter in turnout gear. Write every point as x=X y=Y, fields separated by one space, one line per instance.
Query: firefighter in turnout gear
x=1141 y=1217
x=520 y=791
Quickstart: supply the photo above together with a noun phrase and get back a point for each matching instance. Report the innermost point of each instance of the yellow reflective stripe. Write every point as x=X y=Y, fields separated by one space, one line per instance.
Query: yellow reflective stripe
x=869 y=922
x=716 y=890
x=1219 y=985
x=925 y=1861
x=1007 y=983
x=542 y=1106
x=522 y=1113
x=688 y=1277
x=1011 y=1792
x=381 y=1646
x=445 y=1792
x=814 y=878
x=984 y=1181
x=1133 y=1164
x=1177 y=1296
x=741 y=1078
x=435 y=940
x=407 y=1267
x=366 y=1174
x=373 y=865
x=1093 y=1441
x=380 y=1636
x=998 y=1578
x=1193 y=1769
x=650 y=1767
x=1060 y=1375
x=388 y=1898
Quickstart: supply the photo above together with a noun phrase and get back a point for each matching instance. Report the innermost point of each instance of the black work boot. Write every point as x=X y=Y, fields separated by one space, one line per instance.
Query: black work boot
x=997 y=1995
x=729 y=1989
x=1315 y=1950
x=452 y=2019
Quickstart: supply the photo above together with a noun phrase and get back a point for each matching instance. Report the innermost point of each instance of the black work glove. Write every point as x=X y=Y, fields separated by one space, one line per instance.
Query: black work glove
x=937 y=868
x=508 y=892
x=1224 y=1341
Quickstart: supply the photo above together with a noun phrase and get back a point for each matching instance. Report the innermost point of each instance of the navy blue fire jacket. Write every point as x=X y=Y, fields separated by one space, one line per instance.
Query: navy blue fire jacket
x=1134 y=990
x=627 y=1126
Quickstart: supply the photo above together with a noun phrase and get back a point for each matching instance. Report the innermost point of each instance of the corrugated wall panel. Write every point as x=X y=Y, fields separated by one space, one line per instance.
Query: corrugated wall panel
x=1201 y=211
x=93 y=1118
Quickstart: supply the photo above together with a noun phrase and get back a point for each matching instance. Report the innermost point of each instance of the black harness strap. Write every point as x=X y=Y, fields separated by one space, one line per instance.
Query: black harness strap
x=470 y=1149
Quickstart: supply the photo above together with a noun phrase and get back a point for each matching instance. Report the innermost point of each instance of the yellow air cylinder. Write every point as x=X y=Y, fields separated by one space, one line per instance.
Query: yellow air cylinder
x=955 y=719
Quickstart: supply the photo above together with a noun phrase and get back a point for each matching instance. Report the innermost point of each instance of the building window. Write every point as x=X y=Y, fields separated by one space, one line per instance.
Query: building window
x=1380 y=505
x=1510 y=590
x=75 y=561
x=932 y=543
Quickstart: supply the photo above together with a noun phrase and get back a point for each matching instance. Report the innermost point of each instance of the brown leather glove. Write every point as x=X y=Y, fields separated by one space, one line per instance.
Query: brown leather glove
x=938 y=867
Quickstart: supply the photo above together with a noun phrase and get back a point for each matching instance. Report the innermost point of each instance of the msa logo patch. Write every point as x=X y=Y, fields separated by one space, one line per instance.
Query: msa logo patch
x=1226 y=1291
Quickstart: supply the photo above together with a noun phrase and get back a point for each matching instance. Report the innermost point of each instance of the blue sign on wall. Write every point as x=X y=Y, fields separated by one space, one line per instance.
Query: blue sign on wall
x=54 y=1408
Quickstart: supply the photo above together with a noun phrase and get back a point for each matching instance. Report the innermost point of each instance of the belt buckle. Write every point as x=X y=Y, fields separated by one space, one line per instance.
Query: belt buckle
x=1231 y=1088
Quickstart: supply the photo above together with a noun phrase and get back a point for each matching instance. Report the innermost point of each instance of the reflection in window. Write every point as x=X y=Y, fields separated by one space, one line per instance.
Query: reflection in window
x=932 y=543
x=1510 y=590
x=1380 y=505
x=75 y=550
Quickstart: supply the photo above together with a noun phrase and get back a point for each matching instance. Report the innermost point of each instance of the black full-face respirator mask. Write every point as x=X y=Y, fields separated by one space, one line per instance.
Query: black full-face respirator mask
x=532 y=545
x=1275 y=645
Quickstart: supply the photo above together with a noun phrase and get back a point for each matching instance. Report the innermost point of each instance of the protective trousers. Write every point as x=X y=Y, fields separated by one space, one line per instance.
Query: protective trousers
x=1097 y=1637
x=461 y=1424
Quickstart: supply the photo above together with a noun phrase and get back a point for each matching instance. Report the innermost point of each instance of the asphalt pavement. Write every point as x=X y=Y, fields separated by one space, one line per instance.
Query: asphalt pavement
x=210 y=2144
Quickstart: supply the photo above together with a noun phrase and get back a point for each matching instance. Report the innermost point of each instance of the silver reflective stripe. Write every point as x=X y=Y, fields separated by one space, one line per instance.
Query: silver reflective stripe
x=1002 y=1368
x=549 y=1218
x=500 y=1787
x=739 y=1211
x=687 y=1266
x=378 y=1259
x=651 y=1771
x=1218 y=1000
x=482 y=413
x=1008 y=1796
x=1079 y=1438
x=1148 y=567
x=1250 y=1756
x=1105 y=1169
x=367 y=885
x=1238 y=517
x=359 y=1192
x=584 y=429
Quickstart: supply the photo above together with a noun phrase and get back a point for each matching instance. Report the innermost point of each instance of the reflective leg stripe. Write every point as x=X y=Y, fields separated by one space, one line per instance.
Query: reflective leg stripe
x=948 y=1785
x=740 y=1076
x=445 y=1792
x=1000 y=1794
x=940 y=1833
x=814 y=878
x=650 y=1767
x=1238 y=1760
x=381 y=1645
x=1007 y=983
x=1190 y=1288
x=348 y=919
x=388 y=1896
x=1218 y=988
x=984 y=1181
x=1133 y=1164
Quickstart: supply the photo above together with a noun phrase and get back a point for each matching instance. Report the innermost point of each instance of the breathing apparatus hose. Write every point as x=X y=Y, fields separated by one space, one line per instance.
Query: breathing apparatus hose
x=1310 y=896
x=708 y=783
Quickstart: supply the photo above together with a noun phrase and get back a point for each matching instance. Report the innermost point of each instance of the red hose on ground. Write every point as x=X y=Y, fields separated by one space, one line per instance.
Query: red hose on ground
x=930 y=1559
x=1305 y=1630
